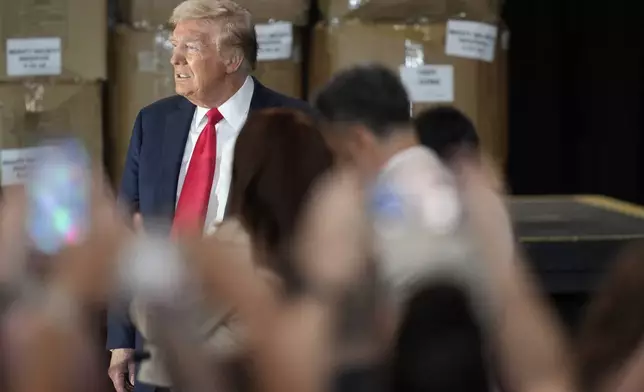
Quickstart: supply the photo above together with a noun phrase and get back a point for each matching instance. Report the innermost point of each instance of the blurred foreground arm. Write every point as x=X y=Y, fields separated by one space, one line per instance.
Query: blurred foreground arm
x=300 y=351
x=48 y=335
x=631 y=376
x=530 y=344
x=291 y=342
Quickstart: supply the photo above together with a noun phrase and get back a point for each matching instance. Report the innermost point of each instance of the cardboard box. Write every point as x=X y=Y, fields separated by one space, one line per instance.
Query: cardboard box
x=153 y=13
x=279 y=59
x=65 y=39
x=418 y=54
x=142 y=74
x=32 y=111
x=414 y=10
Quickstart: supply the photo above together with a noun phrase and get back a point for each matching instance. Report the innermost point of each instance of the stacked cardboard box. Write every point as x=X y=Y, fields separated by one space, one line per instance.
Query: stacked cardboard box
x=413 y=10
x=452 y=54
x=154 y=13
x=51 y=67
x=142 y=73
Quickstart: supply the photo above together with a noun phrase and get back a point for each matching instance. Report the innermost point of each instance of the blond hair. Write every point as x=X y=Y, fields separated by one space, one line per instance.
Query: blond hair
x=237 y=31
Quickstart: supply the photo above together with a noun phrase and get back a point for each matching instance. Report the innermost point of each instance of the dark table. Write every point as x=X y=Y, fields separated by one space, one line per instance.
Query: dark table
x=570 y=241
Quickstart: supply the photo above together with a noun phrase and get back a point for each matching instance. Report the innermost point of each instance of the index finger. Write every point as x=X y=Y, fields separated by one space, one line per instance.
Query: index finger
x=119 y=383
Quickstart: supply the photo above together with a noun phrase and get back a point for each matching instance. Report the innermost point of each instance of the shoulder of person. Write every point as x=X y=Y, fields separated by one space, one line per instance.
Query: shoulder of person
x=277 y=99
x=414 y=167
x=163 y=105
x=421 y=188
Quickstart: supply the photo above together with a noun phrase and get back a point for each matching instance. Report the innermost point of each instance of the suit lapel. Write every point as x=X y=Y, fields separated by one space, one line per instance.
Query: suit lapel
x=175 y=135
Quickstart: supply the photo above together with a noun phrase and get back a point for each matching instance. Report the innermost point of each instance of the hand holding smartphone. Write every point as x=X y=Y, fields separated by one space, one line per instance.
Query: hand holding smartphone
x=58 y=195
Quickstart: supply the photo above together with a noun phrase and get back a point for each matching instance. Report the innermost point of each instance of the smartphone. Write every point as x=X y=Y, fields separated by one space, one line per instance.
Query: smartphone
x=58 y=196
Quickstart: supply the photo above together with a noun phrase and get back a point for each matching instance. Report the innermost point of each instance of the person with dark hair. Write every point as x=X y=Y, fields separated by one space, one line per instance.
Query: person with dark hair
x=446 y=130
x=366 y=117
x=440 y=345
x=367 y=121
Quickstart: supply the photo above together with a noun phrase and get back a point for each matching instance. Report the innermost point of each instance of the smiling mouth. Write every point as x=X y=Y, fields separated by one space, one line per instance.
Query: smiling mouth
x=182 y=76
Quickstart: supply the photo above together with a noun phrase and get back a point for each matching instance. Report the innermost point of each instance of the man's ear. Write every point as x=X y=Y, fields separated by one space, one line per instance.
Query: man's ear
x=234 y=63
x=360 y=136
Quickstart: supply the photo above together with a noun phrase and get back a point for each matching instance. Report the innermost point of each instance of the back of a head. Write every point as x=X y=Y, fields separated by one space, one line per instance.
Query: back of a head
x=279 y=154
x=370 y=95
x=439 y=346
x=445 y=130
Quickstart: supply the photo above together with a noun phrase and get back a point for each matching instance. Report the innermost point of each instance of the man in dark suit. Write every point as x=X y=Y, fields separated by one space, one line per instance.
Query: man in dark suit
x=178 y=167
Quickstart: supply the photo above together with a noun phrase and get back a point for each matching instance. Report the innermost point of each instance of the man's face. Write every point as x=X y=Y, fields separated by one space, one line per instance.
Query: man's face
x=198 y=67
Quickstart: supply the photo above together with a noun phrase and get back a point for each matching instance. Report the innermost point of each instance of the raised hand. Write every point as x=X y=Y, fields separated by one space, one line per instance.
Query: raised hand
x=334 y=239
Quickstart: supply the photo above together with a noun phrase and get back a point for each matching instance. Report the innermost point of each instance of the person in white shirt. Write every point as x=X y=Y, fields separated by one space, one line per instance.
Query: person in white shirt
x=436 y=225
x=414 y=204
x=178 y=166
x=368 y=123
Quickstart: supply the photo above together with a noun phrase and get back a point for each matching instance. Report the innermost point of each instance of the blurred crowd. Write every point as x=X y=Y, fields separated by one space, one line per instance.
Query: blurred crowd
x=360 y=249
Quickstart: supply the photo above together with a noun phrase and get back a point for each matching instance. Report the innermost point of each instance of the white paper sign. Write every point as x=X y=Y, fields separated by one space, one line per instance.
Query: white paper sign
x=429 y=83
x=472 y=40
x=17 y=163
x=274 y=40
x=34 y=56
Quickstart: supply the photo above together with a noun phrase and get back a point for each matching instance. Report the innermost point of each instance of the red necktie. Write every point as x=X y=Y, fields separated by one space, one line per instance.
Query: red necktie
x=195 y=194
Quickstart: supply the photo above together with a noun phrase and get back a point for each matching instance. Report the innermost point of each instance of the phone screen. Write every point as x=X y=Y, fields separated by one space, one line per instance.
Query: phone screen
x=58 y=196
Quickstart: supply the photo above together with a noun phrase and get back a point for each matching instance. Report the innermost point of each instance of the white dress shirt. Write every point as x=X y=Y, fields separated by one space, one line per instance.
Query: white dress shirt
x=235 y=111
x=414 y=184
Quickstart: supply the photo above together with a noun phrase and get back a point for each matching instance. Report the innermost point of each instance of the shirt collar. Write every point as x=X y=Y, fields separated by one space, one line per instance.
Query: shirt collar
x=404 y=155
x=236 y=108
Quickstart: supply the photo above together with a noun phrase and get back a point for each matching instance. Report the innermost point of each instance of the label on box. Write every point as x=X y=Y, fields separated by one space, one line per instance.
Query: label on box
x=17 y=163
x=34 y=56
x=429 y=83
x=274 y=40
x=472 y=40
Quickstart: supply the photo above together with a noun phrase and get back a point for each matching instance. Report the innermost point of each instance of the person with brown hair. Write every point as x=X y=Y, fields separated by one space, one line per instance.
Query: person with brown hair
x=279 y=155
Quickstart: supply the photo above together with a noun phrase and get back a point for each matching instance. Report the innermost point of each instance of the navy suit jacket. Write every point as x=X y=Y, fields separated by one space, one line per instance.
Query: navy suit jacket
x=149 y=183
